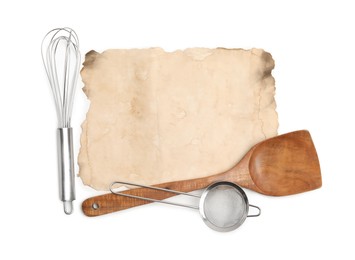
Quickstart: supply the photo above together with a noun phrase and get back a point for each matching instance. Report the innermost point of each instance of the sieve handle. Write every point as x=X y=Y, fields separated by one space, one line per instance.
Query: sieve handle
x=255 y=215
x=152 y=199
x=109 y=203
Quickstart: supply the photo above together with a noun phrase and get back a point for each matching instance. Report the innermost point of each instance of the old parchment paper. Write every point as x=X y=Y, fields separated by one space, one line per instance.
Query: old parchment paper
x=159 y=116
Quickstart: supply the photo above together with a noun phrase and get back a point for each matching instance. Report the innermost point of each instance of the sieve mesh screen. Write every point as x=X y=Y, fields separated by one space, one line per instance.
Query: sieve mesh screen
x=224 y=206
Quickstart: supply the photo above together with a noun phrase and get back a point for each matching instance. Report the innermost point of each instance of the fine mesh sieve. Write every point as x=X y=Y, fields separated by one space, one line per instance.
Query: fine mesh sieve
x=223 y=206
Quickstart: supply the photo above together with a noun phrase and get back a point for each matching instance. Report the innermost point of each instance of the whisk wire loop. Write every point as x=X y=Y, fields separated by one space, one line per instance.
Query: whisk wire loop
x=62 y=82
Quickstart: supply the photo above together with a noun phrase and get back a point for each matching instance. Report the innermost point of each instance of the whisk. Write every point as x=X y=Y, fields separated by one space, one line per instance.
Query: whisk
x=61 y=59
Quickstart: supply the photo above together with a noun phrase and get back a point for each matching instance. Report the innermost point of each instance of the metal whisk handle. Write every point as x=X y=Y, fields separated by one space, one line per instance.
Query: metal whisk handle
x=66 y=168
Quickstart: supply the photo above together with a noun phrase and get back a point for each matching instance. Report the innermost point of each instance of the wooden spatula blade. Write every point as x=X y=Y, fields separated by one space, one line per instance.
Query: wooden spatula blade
x=285 y=165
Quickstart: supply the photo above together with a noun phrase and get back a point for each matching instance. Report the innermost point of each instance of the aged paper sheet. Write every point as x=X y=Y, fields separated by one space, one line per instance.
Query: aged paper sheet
x=159 y=116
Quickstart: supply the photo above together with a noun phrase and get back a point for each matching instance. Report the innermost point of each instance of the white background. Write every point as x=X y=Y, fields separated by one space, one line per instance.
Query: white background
x=313 y=45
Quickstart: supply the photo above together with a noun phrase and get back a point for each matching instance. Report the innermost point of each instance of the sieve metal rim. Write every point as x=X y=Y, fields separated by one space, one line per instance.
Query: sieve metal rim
x=202 y=206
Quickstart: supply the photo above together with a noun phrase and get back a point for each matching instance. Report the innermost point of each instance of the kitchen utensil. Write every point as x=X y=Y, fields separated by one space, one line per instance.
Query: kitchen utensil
x=61 y=59
x=223 y=206
x=279 y=166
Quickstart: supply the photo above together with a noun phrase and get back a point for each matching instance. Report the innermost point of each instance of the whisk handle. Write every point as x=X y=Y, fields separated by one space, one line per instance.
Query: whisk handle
x=66 y=168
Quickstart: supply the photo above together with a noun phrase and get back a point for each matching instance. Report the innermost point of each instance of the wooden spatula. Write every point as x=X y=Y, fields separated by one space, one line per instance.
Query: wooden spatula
x=283 y=165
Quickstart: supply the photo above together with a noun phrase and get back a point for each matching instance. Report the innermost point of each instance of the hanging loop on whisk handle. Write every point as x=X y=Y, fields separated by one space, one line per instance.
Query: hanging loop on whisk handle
x=66 y=168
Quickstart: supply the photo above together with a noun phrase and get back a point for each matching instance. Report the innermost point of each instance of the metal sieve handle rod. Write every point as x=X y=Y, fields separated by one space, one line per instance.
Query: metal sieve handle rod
x=154 y=200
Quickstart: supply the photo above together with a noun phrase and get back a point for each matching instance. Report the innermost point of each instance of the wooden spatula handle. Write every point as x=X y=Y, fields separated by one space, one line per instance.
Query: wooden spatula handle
x=109 y=203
